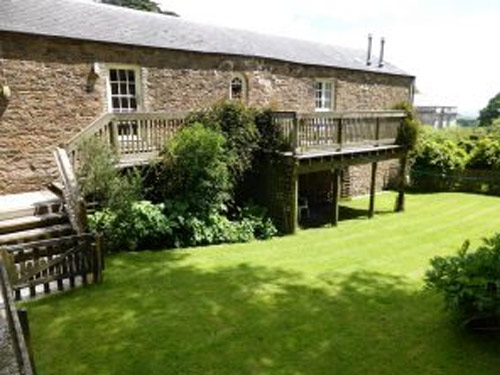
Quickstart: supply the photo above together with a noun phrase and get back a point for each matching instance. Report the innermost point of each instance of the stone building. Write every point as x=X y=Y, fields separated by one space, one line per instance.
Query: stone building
x=434 y=112
x=64 y=64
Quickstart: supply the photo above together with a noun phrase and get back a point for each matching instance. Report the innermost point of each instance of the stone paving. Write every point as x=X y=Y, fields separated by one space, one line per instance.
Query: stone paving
x=8 y=363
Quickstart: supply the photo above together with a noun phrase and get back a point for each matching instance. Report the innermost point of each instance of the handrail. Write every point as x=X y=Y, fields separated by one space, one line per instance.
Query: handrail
x=74 y=203
x=135 y=137
x=89 y=131
x=20 y=342
x=336 y=130
x=353 y=114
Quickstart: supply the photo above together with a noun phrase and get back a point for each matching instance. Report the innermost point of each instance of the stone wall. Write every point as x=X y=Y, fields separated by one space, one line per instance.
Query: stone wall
x=360 y=177
x=52 y=99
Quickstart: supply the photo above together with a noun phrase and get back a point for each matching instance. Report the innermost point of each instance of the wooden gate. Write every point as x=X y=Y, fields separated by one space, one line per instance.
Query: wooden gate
x=53 y=264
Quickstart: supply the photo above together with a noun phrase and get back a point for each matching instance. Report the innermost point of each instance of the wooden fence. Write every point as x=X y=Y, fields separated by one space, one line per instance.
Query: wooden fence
x=56 y=263
x=19 y=336
x=337 y=130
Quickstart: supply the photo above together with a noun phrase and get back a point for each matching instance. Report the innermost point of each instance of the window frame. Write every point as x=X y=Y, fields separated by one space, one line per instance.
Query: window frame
x=244 y=86
x=324 y=81
x=138 y=85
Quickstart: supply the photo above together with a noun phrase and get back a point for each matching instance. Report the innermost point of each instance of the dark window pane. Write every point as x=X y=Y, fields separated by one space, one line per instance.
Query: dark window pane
x=124 y=102
x=116 y=103
x=131 y=75
x=122 y=74
x=133 y=103
x=112 y=75
x=114 y=88
x=123 y=88
x=131 y=89
x=236 y=88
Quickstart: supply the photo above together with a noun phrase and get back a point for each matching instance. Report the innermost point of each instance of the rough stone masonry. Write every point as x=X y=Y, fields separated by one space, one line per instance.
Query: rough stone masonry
x=53 y=96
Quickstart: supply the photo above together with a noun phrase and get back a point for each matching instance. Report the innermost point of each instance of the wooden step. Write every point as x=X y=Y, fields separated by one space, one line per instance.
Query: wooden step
x=31 y=222
x=36 y=234
x=28 y=204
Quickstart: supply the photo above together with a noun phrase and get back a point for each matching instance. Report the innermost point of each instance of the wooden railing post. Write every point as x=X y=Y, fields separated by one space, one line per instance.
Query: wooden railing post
x=340 y=134
x=295 y=133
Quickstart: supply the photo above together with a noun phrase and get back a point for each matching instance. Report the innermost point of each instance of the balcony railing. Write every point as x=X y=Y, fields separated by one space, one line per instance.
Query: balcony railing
x=136 y=137
x=336 y=131
x=139 y=137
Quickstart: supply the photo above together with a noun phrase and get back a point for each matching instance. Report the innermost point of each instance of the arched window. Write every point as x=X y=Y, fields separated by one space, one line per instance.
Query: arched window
x=237 y=88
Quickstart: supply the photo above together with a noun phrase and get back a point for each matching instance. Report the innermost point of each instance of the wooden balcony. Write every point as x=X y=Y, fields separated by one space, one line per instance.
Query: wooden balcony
x=139 y=137
x=317 y=134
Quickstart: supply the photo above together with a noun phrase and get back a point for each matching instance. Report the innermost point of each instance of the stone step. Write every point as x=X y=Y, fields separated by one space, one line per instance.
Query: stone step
x=31 y=222
x=36 y=234
x=28 y=204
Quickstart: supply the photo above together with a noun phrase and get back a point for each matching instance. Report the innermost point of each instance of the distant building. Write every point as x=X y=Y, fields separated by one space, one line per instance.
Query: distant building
x=435 y=113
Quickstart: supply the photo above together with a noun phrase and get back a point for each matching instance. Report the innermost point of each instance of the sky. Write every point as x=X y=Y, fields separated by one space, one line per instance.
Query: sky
x=450 y=46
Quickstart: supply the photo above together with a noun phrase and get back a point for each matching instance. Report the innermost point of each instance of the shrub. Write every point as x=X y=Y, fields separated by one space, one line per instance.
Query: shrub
x=485 y=154
x=237 y=124
x=410 y=129
x=469 y=281
x=196 y=171
x=271 y=136
x=441 y=156
x=256 y=216
x=97 y=172
x=144 y=226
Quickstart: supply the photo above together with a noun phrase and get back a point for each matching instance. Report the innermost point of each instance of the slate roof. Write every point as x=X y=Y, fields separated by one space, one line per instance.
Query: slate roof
x=106 y=23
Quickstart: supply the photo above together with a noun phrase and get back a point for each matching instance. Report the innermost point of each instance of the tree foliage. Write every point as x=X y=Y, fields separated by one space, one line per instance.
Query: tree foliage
x=490 y=112
x=146 y=5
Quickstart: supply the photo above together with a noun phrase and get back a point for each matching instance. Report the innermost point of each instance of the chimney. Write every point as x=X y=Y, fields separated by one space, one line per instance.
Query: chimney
x=369 y=55
x=381 y=57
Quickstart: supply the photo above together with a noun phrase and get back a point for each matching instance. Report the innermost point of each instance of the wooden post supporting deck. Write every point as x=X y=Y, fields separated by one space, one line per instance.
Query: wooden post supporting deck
x=292 y=206
x=336 y=195
x=373 y=186
x=400 y=200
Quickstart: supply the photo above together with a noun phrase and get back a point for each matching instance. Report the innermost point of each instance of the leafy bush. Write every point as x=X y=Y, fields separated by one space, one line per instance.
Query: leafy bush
x=469 y=281
x=145 y=226
x=442 y=156
x=196 y=170
x=485 y=154
x=271 y=136
x=97 y=172
x=191 y=229
x=237 y=124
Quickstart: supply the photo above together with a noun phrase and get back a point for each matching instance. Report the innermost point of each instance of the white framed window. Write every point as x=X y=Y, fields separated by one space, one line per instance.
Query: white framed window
x=324 y=90
x=237 y=87
x=124 y=86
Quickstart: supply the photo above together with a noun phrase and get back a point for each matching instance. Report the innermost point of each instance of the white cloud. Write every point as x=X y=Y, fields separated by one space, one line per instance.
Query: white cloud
x=449 y=45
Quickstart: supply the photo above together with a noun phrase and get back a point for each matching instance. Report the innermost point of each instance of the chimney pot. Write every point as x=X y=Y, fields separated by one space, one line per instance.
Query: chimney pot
x=381 y=57
x=369 y=55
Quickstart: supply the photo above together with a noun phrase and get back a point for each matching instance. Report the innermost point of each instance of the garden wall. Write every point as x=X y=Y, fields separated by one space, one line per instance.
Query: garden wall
x=54 y=96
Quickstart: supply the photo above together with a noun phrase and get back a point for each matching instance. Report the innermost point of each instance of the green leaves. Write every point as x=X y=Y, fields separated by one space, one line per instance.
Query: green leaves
x=469 y=281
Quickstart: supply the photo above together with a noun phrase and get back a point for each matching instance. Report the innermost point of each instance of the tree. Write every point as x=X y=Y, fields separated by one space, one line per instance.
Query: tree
x=146 y=5
x=490 y=112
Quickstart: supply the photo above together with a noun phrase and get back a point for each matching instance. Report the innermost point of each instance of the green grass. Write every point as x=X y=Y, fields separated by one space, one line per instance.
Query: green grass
x=345 y=300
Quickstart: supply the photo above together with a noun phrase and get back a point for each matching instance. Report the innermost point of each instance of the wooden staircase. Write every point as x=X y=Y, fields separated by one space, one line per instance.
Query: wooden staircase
x=32 y=216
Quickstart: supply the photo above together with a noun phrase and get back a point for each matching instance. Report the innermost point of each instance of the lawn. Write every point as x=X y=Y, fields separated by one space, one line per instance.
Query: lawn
x=345 y=300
